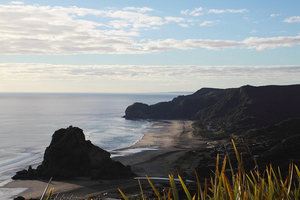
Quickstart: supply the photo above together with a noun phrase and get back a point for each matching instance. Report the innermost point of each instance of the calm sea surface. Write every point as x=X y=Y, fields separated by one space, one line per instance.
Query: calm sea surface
x=27 y=122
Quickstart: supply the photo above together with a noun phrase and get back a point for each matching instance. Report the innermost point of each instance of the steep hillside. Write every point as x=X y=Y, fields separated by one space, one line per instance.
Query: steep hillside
x=230 y=109
x=181 y=107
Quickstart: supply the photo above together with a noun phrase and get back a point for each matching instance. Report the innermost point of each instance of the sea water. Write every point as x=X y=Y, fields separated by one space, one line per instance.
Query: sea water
x=27 y=122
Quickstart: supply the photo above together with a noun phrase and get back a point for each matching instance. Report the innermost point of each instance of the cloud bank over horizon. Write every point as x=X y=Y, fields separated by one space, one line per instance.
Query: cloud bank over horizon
x=165 y=77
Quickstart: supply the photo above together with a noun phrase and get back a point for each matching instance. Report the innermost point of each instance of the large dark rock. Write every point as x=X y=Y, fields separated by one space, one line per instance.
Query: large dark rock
x=69 y=155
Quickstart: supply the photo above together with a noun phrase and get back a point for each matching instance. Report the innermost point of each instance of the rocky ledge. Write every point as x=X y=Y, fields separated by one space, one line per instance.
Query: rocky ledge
x=69 y=155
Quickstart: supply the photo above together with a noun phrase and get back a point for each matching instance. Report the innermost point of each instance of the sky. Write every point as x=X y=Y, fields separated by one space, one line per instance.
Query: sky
x=144 y=46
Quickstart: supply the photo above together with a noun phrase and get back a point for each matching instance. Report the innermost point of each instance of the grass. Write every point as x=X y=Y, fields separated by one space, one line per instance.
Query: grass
x=239 y=185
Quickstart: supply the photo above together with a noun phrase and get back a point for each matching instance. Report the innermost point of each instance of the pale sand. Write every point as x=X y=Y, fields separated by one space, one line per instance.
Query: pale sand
x=172 y=142
x=36 y=188
x=172 y=139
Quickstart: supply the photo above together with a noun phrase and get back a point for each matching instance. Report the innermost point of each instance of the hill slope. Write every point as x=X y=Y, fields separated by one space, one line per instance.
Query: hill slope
x=231 y=109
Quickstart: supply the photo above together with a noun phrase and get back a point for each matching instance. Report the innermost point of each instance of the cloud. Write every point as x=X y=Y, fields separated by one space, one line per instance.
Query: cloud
x=40 y=30
x=42 y=71
x=294 y=19
x=136 y=20
x=42 y=77
x=201 y=11
x=17 y=2
x=172 y=44
x=142 y=10
x=220 y=11
x=274 y=15
x=207 y=23
x=248 y=43
x=195 y=12
x=184 y=25
x=174 y=19
x=33 y=29
x=184 y=12
x=272 y=42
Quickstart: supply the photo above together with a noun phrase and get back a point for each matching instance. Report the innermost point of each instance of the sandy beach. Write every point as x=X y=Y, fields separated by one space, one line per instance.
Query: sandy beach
x=166 y=141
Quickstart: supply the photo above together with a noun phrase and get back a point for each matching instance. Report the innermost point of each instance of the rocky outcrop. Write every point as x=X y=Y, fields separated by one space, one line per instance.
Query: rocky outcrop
x=69 y=155
x=235 y=108
x=137 y=111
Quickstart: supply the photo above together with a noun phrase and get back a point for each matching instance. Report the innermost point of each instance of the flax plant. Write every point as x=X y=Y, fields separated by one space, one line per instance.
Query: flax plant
x=235 y=186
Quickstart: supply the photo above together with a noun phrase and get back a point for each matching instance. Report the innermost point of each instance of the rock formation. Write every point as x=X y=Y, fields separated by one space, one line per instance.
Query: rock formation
x=69 y=155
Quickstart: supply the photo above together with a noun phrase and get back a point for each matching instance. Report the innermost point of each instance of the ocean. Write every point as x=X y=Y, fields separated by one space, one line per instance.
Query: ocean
x=27 y=122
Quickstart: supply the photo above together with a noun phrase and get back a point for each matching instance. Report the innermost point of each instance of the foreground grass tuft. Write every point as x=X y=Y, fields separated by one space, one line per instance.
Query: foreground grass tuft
x=239 y=185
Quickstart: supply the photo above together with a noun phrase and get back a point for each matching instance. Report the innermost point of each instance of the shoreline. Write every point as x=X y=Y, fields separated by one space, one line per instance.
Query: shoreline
x=161 y=145
x=158 y=126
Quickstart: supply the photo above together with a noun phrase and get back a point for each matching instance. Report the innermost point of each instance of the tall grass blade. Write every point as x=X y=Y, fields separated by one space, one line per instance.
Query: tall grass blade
x=224 y=165
x=297 y=171
x=290 y=178
x=50 y=193
x=188 y=195
x=123 y=195
x=228 y=187
x=231 y=169
x=237 y=156
x=142 y=193
x=46 y=188
x=194 y=197
x=200 y=193
x=169 y=193
x=154 y=189
x=173 y=186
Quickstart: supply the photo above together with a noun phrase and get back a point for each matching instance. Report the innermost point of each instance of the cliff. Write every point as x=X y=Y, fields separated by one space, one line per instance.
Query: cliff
x=230 y=109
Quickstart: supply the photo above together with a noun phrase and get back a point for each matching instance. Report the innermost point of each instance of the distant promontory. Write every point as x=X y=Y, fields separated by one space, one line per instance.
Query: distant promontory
x=229 y=109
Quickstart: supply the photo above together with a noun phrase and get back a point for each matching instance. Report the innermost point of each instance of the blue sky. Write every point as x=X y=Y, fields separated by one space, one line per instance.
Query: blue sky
x=147 y=45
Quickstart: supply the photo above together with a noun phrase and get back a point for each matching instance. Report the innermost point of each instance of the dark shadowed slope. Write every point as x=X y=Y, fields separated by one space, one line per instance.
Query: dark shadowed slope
x=234 y=108
x=181 y=107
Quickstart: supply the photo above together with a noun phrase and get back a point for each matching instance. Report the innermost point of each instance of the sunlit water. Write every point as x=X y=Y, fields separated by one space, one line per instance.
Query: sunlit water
x=27 y=122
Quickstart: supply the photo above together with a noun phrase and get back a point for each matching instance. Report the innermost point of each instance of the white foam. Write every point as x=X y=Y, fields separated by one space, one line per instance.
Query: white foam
x=130 y=151
x=10 y=193
x=8 y=169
